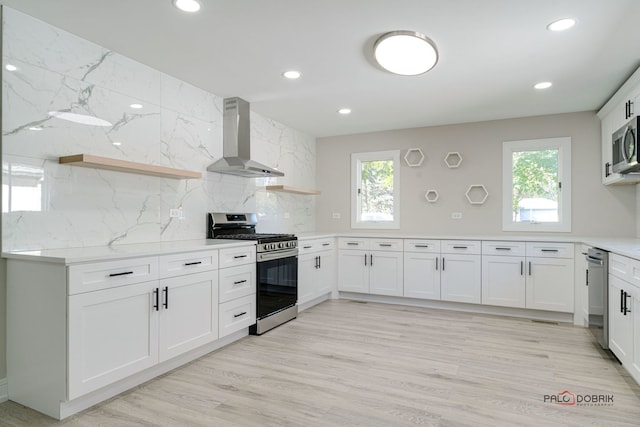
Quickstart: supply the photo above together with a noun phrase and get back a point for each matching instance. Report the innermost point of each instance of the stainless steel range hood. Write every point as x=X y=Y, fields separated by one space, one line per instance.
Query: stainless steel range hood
x=236 y=144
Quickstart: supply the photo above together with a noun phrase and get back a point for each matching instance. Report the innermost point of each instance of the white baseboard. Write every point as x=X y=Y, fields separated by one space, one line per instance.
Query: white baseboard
x=4 y=390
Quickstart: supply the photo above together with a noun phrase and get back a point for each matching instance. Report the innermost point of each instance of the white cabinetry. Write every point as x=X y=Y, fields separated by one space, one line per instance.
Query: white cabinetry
x=117 y=331
x=622 y=106
x=624 y=318
x=316 y=270
x=460 y=278
x=370 y=266
x=237 y=308
x=422 y=269
x=503 y=275
x=550 y=273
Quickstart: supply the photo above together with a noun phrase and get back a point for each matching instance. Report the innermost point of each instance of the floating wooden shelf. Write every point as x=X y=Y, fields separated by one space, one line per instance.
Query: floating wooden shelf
x=294 y=190
x=89 y=161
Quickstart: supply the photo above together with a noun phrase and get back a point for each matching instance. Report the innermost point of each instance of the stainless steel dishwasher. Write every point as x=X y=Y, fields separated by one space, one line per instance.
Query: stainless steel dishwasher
x=597 y=281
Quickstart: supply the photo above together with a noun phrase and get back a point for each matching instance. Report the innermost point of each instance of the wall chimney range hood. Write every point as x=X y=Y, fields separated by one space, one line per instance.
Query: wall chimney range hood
x=236 y=144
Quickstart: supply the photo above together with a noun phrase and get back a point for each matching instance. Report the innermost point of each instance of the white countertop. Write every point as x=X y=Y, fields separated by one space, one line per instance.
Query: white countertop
x=103 y=253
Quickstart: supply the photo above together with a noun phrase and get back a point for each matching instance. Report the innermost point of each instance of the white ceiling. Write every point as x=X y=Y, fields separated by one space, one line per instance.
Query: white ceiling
x=492 y=52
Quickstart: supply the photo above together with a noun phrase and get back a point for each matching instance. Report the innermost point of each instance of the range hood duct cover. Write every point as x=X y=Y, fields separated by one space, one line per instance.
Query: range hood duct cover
x=236 y=143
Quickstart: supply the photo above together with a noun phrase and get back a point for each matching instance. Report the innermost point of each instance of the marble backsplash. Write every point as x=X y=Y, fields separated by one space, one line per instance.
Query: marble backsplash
x=48 y=205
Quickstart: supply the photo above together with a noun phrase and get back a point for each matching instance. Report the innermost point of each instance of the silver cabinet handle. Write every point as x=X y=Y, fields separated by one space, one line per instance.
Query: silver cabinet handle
x=460 y=247
x=420 y=246
x=503 y=249
x=307 y=247
x=352 y=243
x=326 y=244
x=385 y=244
x=548 y=250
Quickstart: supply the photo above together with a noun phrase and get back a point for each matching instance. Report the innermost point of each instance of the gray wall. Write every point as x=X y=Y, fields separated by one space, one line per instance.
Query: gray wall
x=597 y=210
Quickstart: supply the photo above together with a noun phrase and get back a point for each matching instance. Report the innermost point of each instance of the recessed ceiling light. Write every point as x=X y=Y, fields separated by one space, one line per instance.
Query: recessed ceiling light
x=10 y=67
x=344 y=111
x=190 y=6
x=80 y=118
x=543 y=85
x=405 y=52
x=35 y=128
x=136 y=106
x=561 y=24
x=116 y=143
x=292 y=74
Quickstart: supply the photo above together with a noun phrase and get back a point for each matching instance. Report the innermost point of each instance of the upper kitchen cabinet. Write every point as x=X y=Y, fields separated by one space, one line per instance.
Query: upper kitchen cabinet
x=621 y=108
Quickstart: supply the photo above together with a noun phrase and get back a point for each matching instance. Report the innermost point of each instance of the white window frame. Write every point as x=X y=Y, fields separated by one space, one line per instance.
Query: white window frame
x=563 y=145
x=356 y=177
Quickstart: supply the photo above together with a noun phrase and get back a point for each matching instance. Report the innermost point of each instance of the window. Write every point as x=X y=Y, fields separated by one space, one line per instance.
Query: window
x=375 y=183
x=537 y=185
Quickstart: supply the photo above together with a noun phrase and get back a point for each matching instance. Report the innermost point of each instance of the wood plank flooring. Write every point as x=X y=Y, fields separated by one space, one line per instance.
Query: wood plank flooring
x=344 y=363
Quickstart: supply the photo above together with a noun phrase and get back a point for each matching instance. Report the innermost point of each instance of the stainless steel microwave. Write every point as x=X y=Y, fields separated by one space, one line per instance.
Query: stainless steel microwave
x=625 y=148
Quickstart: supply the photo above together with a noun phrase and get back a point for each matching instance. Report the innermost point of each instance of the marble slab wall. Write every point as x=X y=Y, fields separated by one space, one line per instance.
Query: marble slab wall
x=48 y=205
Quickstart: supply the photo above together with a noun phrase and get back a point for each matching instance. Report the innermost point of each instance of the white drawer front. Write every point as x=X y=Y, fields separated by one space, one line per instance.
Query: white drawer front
x=102 y=275
x=187 y=263
x=324 y=244
x=625 y=268
x=237 y=314
x=394 y=245
x=461 y=247
x=236 y=282
x=308 y=246
x=353 y=243
x=503 y=248
x=550 y=250
x=237 y=256
x=421 y=245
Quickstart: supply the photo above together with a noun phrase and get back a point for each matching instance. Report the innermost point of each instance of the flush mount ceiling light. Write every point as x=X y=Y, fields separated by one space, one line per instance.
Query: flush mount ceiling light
x=543 y=85
x=344 y=111
x=190 y=6
x=83 y=119
x=561 y=24
x=407 y=53
x=136 y=106
x=10 y=67
x=292 y=74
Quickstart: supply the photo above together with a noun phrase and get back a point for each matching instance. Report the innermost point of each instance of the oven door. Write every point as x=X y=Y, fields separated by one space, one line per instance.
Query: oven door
x=277 y=281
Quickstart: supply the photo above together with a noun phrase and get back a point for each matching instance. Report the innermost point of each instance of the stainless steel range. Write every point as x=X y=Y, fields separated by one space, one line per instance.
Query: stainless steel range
x=277 y=267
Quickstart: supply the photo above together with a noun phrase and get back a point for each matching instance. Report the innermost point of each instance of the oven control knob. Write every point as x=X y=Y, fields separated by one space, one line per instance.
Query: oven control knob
x=272 y=246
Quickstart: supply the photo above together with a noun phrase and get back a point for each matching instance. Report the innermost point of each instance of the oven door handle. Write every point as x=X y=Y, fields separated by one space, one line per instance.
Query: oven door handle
x=270 y=256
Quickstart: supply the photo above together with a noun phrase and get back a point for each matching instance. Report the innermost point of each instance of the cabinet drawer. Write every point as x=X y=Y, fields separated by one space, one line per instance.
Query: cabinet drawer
x=353 y=243
x=461 y=247
x=627 y=269
x=549 y=250
x=236 y=282
x=237 y=256
x=187 y=263
x=102 y=275
x=237 y=314
x=503 y=248
x=419 y=245
x=394 y=245
x=315 y=245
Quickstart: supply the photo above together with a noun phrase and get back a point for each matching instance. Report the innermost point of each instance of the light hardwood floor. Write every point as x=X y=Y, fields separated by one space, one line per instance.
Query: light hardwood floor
x=344 y=363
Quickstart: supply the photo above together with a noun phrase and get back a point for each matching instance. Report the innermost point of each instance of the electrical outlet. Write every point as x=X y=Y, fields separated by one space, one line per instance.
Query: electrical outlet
x=456 y=215
x=335 y=215
x=175 y=213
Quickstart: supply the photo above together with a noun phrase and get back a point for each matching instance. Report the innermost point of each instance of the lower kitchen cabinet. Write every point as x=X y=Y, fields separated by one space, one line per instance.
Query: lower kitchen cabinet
x=377 y=270
x=113 y=333
x=460 y=278
x=316 y=269
x=550 y=284
x=422 y=275
x=353 y=271
x=503 y=281
x=634 y=366
x=621 y=322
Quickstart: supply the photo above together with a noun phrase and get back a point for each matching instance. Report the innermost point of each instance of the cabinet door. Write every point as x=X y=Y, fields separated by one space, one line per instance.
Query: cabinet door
x=326 y=277
x=307 y=272
x=503 y=281
x=620 y=326
x=113 y=333
x=634 y=306
x=550 y=284
x=422 y=275
x=188 y=312
x=386 y=273
x=460 y=278
x=353 y=271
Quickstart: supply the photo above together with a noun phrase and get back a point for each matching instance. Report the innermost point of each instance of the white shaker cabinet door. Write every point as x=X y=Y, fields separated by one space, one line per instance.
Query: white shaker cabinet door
x=385 y=277
x=307 y=273
x=550 y=284
x=503 y=281
x=326 y=277
x=460 y=279
x=422 y=275
x=188 y=312
x=620 y=325
x=113 y=333
x=353 y=268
